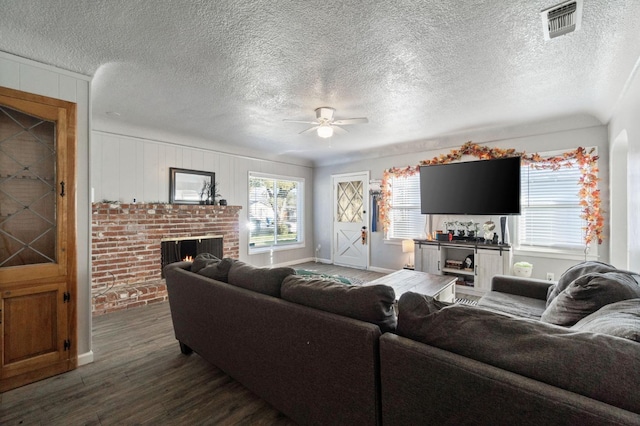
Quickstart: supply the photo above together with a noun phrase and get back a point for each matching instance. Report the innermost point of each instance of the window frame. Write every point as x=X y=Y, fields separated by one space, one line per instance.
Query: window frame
x=389 y=235
x=300 y=214
x=550 y=251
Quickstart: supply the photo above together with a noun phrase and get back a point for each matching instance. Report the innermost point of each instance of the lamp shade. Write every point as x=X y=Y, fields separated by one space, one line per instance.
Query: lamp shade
x=407 y=246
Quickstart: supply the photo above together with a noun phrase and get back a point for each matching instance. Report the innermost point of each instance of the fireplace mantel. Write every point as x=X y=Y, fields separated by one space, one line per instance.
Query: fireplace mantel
x=125 y=247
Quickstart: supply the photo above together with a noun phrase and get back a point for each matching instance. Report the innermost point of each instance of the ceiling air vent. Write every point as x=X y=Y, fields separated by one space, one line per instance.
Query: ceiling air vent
x=562 y=19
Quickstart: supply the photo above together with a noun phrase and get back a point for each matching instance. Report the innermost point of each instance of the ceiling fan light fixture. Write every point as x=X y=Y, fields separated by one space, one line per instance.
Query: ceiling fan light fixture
x=325 y=131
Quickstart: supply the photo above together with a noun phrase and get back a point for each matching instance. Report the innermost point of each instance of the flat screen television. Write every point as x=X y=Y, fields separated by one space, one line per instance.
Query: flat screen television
x=486 y=187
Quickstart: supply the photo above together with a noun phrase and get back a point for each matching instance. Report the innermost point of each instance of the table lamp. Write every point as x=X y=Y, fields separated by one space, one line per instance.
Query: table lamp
x=408 y=247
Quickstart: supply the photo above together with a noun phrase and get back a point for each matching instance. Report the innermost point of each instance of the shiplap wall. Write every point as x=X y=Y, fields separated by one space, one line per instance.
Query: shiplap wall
x=124 y=168
x=32 y=77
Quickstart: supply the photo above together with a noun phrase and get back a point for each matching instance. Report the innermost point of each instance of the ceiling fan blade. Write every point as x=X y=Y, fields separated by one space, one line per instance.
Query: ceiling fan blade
x=338 y=129
x=299 y=121
x=310 y=129
x=361 y=120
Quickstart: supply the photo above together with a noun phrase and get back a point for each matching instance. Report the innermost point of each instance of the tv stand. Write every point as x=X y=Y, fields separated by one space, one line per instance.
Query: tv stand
x=448 y=258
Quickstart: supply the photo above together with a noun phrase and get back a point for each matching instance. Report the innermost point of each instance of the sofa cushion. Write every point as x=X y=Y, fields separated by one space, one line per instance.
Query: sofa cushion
x=413 y=308
x=589 y=293
x=370 y=303
x=520 y=306
x=262 y=280
x=202 y=260
x=620 y=319
x=595 y=365
x=574 y=272
x=217 y=270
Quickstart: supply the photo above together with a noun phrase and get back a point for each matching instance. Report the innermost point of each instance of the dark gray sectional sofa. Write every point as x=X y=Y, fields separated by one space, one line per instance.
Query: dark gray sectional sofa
x=325 y=353
x=500 y=363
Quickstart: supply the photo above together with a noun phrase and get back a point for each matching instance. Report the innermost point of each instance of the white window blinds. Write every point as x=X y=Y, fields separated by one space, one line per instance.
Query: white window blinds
x=551 y=208
x=406 y=220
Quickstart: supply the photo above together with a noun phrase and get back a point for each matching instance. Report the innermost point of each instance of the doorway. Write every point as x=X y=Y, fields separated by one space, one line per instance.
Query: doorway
x=350 y=220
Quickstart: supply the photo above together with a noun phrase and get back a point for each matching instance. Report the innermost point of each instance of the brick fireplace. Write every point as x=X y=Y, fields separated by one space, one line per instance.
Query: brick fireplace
x=125 y=247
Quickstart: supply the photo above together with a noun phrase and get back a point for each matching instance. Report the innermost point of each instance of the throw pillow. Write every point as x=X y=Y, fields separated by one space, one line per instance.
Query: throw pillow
x=589 y=293
x=217 y=270
x=262 y=280
x=202 y=260
x=413 y=308
x=370 y=303
x=620 y=319
x=575 y=272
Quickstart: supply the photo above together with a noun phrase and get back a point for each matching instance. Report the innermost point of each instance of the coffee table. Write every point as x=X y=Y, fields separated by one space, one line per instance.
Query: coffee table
x=440 y=287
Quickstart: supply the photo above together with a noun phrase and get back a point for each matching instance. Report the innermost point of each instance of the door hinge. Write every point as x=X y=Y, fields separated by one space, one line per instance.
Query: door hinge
x=67 y=345
x=66 y=297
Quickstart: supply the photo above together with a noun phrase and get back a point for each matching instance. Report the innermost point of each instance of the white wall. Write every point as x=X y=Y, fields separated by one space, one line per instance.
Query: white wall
x=386 y=256
x=124 y=168
x=625 y=125
x=29 y=76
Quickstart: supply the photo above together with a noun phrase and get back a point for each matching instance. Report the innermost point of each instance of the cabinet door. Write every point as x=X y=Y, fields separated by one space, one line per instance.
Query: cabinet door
x=37 y=237
x=428 y=258
x=488 y=263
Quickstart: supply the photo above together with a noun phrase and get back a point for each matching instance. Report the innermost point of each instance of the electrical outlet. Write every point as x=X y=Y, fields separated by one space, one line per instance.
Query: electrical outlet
x=550 y=276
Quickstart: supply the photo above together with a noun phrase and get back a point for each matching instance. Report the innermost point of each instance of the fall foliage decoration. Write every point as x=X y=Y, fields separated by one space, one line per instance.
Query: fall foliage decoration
x=588 y=184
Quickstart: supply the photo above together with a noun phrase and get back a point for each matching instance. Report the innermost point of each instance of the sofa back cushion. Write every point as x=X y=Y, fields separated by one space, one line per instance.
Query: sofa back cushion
x=589 y=293
x=595 y=365
x=621 y=319
x=262 y=280
x=370 y=303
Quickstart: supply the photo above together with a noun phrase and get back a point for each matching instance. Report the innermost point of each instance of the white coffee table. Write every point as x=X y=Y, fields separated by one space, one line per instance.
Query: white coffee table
x=440 y=287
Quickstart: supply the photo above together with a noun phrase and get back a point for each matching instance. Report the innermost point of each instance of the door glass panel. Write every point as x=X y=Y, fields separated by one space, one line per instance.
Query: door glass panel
x=350 y=201
x=27 y=189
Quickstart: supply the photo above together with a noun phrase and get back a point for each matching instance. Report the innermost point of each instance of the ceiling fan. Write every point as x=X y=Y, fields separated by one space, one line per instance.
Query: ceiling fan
x=325 y=123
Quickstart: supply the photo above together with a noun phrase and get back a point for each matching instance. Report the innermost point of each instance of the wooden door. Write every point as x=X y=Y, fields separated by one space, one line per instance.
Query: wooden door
x=350 y=230
x=37 y=238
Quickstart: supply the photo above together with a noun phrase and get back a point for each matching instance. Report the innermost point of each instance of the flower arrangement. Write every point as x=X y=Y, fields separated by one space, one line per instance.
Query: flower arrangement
x=588 y=191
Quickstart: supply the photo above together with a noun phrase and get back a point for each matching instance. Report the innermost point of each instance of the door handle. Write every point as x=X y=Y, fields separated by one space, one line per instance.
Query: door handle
x=364 y=235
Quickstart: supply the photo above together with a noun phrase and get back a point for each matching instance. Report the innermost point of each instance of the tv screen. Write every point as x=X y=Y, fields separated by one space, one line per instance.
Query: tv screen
x=487 y=187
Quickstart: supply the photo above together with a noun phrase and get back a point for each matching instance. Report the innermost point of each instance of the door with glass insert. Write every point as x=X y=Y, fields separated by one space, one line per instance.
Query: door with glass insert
x=350 y=230
x=37 y=237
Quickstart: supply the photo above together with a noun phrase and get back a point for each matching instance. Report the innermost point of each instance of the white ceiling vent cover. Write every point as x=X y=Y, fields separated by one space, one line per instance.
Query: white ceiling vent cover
x=562 y=19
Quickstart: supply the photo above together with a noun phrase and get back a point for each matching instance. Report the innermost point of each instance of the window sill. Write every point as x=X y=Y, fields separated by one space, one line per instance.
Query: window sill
x=554 y=253
x=268 y=249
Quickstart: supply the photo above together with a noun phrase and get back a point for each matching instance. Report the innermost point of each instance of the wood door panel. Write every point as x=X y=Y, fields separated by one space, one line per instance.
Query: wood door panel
x=30 y=326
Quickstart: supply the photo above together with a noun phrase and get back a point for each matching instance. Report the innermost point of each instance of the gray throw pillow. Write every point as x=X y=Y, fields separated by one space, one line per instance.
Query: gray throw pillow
x=589 y=293
x=202 y=260
x=575 y=272
x=620 y=319
x=217 y=270
x=413 y=308
x=262 y=280
x=370 y=303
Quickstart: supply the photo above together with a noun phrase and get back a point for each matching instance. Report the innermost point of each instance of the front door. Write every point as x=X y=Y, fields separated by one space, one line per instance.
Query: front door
x=37 y=238
x=350 y=221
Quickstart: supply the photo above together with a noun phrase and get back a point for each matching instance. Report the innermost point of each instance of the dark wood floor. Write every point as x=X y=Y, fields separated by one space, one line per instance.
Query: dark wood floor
x=139 y=376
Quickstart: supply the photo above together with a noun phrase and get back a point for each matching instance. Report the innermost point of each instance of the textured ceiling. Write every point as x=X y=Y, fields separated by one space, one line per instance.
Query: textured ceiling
x=229 y=71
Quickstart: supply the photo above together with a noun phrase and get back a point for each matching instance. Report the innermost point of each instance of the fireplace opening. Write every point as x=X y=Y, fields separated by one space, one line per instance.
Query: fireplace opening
x=187 y=248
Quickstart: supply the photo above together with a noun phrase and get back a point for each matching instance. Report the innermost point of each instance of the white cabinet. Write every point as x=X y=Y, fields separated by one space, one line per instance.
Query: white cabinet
x=448 y=258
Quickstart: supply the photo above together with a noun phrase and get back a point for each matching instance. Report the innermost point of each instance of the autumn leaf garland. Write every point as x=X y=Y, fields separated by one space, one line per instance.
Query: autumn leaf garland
x=588 y=192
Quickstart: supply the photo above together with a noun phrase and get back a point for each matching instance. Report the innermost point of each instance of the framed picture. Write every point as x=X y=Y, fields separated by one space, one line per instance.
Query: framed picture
x=190 y=186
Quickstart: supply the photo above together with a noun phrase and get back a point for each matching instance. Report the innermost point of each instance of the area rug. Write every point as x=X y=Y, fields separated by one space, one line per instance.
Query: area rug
x=338 y=278
x=464 y=301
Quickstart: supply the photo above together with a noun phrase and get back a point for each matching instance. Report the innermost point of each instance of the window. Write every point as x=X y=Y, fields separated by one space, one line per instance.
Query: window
x=551 y=208
x=275 y=211
x=406 y=220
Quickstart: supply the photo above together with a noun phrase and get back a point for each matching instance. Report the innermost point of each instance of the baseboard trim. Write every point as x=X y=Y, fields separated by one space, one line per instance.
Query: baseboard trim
x=85 y=358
